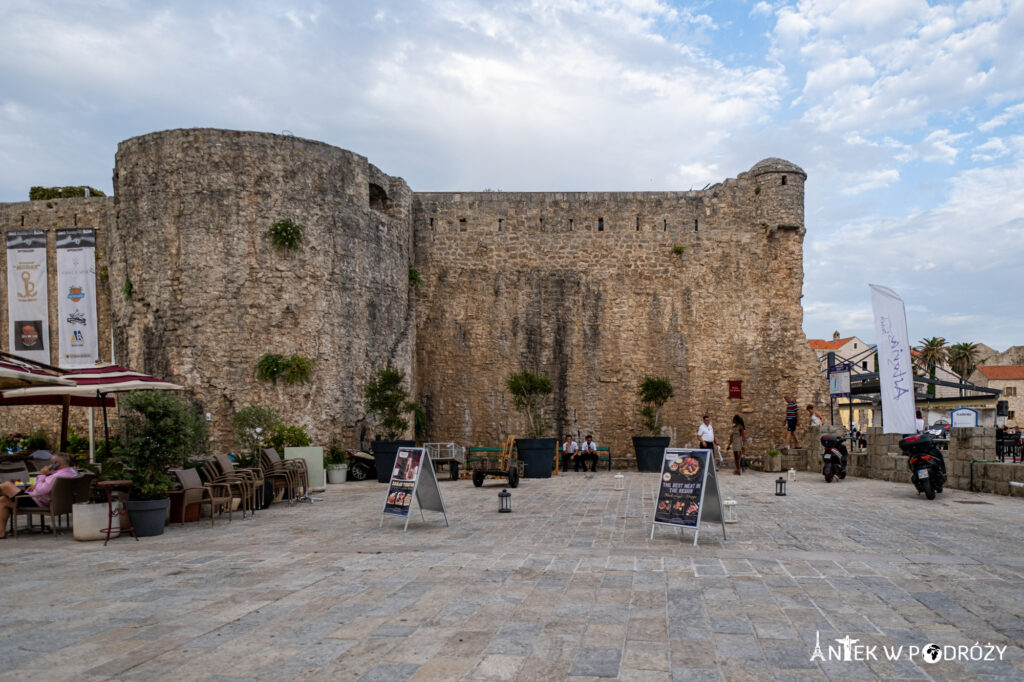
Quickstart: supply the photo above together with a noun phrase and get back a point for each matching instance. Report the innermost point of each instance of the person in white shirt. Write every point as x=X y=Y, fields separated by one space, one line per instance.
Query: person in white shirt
x=706 y=433
x=570 y=448
x=919 y=422
x=588 y=453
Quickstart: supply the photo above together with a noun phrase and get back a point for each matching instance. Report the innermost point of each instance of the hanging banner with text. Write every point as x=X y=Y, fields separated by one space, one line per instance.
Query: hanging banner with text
x=689 y=492
x=895 y=373
x=27 y=307
x=78 y=331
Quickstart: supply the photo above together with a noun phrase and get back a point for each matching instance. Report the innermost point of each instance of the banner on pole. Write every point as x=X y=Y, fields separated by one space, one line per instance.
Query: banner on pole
x=78 y=331
x=839 y=380
x=895 y=372
x=27 y=307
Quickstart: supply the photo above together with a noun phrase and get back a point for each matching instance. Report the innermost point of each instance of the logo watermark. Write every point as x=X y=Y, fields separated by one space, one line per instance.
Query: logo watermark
x=849 y=649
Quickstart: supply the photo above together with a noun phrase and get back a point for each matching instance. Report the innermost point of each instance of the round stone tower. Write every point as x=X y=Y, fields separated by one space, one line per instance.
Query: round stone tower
x=780 y=186
x=200 y=292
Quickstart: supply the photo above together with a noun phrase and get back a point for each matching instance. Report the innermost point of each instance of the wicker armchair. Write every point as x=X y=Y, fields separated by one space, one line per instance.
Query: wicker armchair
x=62 y=497
x=217 y=495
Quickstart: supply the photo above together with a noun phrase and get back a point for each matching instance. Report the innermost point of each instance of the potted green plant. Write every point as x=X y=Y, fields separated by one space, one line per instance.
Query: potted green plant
x=336 y=463
x=773 y=460
x=653 y=393
x=536 y=452
x=387 y=400
x=157 y=432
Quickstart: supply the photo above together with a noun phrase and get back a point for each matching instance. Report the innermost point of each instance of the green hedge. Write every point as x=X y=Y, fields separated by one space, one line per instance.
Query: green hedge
x=69 y=192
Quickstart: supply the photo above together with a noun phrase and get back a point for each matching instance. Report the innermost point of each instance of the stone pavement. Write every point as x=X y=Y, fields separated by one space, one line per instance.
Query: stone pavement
x=568 y=586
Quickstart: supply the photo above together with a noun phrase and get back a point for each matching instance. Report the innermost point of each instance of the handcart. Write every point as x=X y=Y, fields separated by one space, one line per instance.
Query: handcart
x=505 y=464
x=446 y=455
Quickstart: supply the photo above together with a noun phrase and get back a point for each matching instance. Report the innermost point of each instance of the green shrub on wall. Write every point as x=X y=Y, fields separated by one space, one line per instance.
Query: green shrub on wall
x=292 y=369
x=70 y=192
x=285 y=235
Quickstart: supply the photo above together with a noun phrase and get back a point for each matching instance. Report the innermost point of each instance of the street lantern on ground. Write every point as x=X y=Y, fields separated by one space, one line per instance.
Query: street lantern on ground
x=780 y=486
x=505 y=501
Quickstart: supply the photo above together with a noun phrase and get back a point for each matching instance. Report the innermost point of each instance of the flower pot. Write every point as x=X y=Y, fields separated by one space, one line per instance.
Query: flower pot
x=537 y=456
x=384 y=453
x=337 y=473
x=148 y=516
x=650 y=452
x=90 y=522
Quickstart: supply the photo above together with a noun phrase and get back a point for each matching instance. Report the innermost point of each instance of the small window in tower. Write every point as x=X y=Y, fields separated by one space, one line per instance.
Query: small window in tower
x=600 y=224
x=664 y=224
x=783 y=179
x=695 y=224
x=431 y=223
x=379 y=200
x=638 y=223
x=462 y=224
x=501 y=224
x=571 y=223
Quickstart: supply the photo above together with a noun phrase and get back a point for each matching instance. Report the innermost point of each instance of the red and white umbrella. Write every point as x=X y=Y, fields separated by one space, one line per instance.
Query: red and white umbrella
x=92 y=382
x=18 y=372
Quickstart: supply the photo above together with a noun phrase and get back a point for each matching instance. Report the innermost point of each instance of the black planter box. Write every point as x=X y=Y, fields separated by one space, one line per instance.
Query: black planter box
x=650 y=451
x=537 y=456
x=384 y=453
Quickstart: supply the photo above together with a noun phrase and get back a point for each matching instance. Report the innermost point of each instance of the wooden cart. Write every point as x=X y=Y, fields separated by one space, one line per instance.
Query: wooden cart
x=447 y=455
x=503 y=464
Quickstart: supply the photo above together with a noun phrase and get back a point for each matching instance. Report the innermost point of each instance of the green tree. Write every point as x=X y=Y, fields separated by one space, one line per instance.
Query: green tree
x=386 y=398
x=932 y=352
x=252 y=426
x=528 y=391
x=653 y=393
x=963 y=359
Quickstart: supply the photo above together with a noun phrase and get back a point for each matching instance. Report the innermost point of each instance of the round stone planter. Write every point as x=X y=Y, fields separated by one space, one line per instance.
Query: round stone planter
x=537 y=456
x=89 y=522
x=148 y=516
x=650 y=451
x=384 y=452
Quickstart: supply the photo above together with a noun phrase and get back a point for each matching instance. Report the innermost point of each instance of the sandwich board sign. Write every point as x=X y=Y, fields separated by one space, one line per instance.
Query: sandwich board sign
x=689 y=492
x=413 y=478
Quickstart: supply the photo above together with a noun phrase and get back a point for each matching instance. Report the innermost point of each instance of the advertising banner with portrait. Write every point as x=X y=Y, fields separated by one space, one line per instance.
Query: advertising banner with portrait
x=27 y=307
x=413 y=478
x=78 y=331
x=689 y=492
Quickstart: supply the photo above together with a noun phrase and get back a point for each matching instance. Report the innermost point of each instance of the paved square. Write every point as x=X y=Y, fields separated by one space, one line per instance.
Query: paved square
x=568 y=586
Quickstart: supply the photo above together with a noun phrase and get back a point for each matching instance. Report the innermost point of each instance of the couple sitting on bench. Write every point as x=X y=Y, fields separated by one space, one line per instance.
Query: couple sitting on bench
x=573 y=452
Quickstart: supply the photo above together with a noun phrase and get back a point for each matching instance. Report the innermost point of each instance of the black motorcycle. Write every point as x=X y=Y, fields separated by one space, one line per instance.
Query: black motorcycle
x=834 y=457
x=927 y=466
x=361 y=466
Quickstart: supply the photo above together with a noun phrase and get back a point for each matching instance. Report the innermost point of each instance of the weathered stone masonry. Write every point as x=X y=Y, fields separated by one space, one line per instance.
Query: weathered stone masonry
x=585 y=286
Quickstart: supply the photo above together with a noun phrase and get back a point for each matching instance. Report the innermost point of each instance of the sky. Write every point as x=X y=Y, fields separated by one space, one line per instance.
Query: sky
x=908 y=116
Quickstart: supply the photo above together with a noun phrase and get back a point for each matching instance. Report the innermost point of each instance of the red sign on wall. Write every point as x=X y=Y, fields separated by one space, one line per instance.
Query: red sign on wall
x=735 y=389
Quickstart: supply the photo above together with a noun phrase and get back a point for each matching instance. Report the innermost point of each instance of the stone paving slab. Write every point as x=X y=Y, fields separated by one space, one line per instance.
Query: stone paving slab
x=568 y=586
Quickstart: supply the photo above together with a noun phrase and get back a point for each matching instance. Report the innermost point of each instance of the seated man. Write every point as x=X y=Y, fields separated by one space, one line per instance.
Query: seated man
x=38 y=494
x=570 y=448
x=588 y=453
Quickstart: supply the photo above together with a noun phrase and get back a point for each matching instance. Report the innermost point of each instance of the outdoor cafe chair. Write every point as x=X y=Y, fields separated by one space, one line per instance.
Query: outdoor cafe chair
x=280 y=474
x=217 y=495
x=248 y=482
x=62 y=497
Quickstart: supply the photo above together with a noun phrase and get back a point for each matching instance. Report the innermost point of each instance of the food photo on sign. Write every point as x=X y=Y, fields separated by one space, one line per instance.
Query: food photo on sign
x=679 y=495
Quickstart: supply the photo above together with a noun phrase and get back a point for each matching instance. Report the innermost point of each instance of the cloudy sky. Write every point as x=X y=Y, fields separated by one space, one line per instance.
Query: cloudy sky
x=907 y=115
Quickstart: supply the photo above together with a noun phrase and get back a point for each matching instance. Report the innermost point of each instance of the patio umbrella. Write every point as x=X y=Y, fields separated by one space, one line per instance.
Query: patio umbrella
x=18 y=372
x=90 y=386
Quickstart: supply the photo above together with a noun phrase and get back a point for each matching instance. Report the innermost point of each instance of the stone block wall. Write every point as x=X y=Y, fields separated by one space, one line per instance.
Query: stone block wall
x=597 y=289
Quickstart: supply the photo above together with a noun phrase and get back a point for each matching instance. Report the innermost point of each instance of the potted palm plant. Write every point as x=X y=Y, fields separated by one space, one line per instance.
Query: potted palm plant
x=157 y=432
x=653 y=393
x=386 y=399
x=537 y=452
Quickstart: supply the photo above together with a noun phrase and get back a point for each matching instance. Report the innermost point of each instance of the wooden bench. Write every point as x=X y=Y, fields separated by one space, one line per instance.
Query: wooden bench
x=603 y=455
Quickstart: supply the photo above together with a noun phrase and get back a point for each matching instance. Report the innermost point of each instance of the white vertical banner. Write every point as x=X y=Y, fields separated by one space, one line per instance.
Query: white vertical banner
x=27 y=307
x=895 y=373
x=78 y=330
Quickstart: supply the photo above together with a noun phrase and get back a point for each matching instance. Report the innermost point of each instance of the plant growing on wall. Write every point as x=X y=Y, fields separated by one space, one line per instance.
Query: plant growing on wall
x=285 y=234
x=528 y=391
x=387 y=400
x=653 y=393
x=414 y=276
x=127 y=289
x=284 y=436
x=291 y=369
x=678 y=249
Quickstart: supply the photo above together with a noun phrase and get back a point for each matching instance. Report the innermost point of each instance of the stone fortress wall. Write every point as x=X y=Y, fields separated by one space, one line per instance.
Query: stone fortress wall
x=587 y=287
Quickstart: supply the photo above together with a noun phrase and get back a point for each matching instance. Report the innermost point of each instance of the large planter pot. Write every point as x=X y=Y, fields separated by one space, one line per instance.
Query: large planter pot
x=537 y=456
x=650 y=452
x=90 y=522
x=148 y=516
x=337 y=473
x=384 y=453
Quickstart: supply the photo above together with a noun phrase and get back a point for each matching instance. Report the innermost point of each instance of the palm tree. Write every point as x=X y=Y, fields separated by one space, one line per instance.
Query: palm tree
x=933 y=352
x=963 y=359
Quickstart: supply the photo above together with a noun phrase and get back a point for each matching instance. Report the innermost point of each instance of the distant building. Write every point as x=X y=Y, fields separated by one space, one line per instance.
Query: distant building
x=861 y=356
x=1010 y=380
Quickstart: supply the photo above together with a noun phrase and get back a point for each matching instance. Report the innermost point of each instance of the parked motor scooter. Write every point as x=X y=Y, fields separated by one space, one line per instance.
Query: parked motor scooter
x=834 y=457
x=361 y=465
x=927 y=466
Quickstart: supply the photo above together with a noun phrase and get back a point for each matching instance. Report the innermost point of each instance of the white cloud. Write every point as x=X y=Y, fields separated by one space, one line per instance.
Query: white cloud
x=994 y=148
x=939 y=146
x=875 y=181
x=1009 y=114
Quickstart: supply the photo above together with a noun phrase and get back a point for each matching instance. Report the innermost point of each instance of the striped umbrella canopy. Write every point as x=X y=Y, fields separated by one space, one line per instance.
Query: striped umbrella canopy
x=18 y=372
x=91 y=383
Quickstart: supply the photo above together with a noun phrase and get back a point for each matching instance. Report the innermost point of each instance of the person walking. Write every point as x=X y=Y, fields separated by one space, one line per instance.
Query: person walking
x=792 y=416
x=738 y=442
